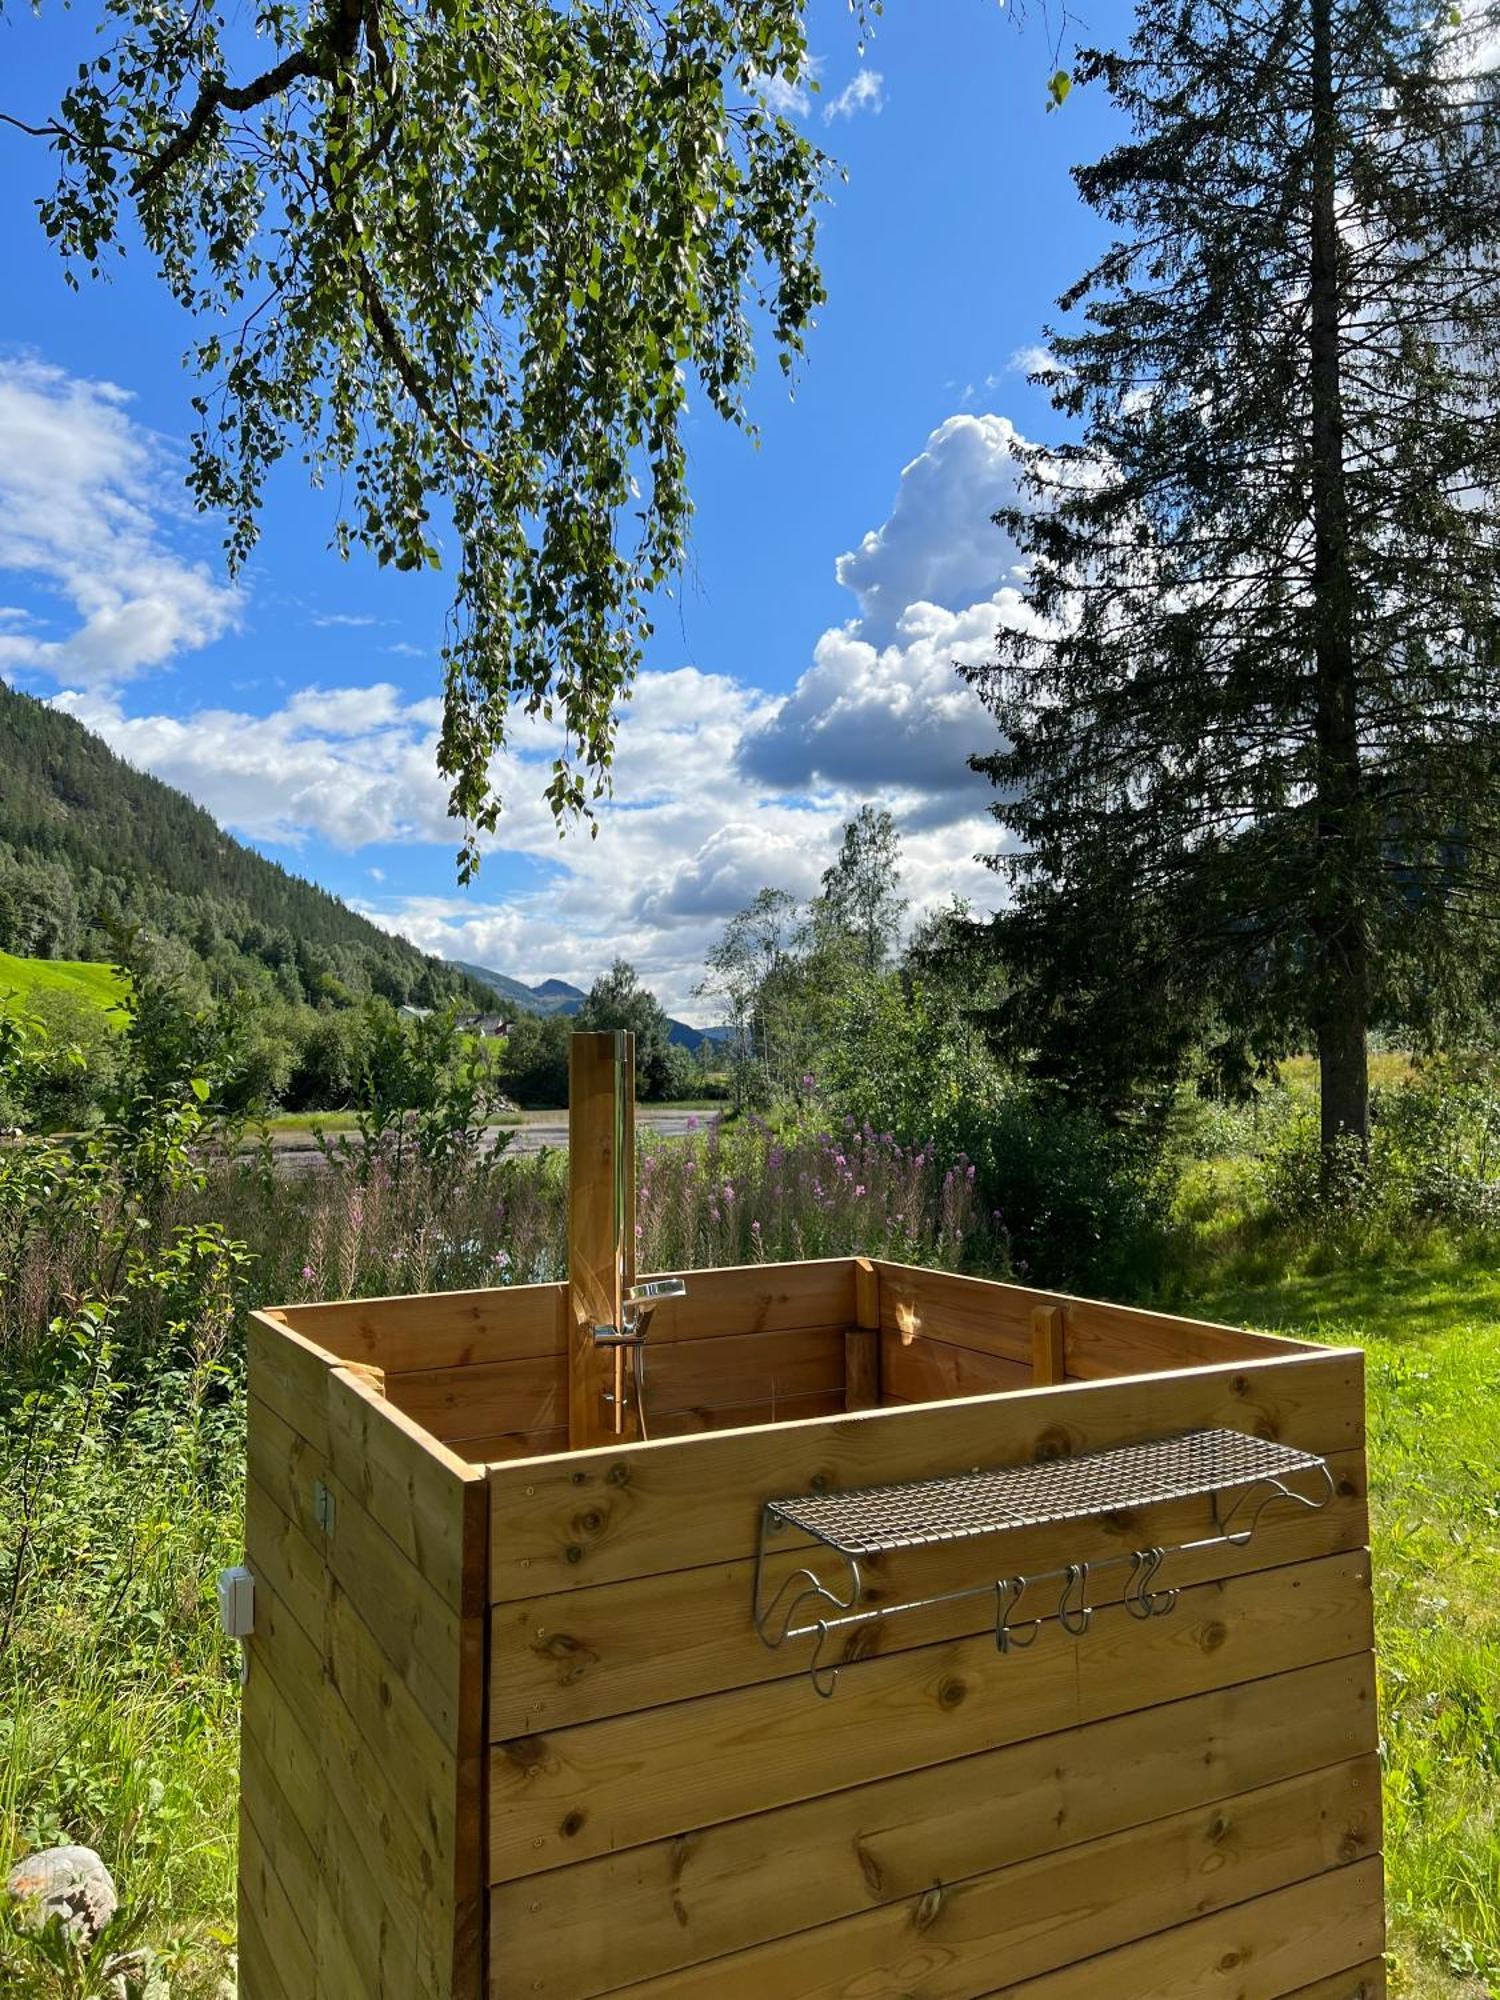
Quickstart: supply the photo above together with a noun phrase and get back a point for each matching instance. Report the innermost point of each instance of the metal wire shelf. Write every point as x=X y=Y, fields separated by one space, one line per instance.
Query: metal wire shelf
x=881 y=1520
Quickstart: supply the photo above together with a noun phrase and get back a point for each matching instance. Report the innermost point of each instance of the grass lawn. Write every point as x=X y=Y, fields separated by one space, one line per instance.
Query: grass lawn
x=1430 y=1324
x=22 y=978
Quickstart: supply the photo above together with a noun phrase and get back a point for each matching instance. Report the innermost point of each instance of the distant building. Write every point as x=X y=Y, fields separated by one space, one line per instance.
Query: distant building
x=489 y=1027
x=410 y=1013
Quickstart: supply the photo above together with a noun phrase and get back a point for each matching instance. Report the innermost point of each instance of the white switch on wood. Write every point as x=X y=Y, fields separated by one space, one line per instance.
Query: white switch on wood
x=237 y=1602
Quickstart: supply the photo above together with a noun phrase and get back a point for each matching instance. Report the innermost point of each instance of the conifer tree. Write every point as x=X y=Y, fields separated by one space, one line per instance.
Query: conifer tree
x=1251 y=728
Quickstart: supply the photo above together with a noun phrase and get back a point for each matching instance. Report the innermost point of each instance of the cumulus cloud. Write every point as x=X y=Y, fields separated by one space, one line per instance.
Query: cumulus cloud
x=865 y=91
x=939 y=544
x=353 y=766
x=80 y=486
x=882 y=710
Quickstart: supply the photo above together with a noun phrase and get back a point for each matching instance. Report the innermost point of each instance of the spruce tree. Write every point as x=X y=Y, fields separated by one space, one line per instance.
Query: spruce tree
x=1250 y=725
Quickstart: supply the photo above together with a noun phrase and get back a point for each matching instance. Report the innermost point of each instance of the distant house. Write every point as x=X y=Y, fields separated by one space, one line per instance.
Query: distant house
x=408 y=1012
x=489 y=1027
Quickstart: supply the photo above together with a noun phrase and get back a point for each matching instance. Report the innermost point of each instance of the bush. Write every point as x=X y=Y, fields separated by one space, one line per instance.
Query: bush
x=1433 y=1162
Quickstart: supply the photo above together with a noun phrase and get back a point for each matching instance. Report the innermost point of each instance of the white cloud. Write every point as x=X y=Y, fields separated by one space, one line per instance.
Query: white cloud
x=786 y=97
x=80 y=487
x=882 y=711
x=720 y=787
x=939 y=544
x=865 y=91
x=323 y=618
x=1028 y=361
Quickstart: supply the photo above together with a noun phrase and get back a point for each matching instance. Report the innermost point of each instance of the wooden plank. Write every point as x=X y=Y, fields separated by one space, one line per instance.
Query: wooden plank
x=690 y=1898
x=282 y=1557
x=275 y=1745
x=1114 y=1340
x=273 y=1914
x=601 y=1232
x=583 y=1518
x=438 y=1329
x=420 y=1634
x=966 y=1312
x=560 y=1795
x=290 y=1375
x=955 y=1939
x=489 y=1398
x=1048 y=1346
x=372 y=1945
x=356 y=1653
x=509 y=1398
x=410 y=1484
x=575 y=1656
x=435 y=1330
x=1360 y=1982
x=745 y=1369
x=377 y=1768
x=756 y=1298
x=862 y=1341
x=258 y=1975
x=1106 y=1341
x=504 y=1446
x=280 y=1651
x=924 y=1370
x=1256 y=1951
x=744 y=1416
x=291 y=1851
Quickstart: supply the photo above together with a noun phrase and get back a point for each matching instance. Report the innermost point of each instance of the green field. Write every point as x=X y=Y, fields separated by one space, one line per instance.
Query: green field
x=23 y=979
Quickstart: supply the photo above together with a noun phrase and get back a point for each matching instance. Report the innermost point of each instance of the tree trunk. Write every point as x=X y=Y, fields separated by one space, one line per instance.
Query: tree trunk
x=1341 y=948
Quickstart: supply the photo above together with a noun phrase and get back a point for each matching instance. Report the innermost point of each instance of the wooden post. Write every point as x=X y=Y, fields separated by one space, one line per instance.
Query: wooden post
x=601 y=1234
x=1049 y=1364
x=862 y=1341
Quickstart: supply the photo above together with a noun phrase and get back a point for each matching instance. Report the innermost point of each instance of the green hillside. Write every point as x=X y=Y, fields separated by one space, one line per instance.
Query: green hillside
x=88 y=845
x=22 y=979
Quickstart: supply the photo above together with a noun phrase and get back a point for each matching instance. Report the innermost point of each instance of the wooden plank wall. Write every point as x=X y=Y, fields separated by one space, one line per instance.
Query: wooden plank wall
x=486 y=1372
x=943 y=1335
x=362 y=1795
x=1180 y=1808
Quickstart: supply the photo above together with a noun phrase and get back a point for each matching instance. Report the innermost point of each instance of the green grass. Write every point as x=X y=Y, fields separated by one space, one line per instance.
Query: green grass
x=21 y=979
x=1429 y=1320
x=119 y=1696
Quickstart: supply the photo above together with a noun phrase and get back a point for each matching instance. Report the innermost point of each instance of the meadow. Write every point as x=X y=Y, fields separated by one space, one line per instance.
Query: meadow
x=118 y=1697
x=23 y=980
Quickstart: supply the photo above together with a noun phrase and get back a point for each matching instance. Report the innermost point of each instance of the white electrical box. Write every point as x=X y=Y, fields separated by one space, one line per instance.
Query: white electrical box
x=237 y=1602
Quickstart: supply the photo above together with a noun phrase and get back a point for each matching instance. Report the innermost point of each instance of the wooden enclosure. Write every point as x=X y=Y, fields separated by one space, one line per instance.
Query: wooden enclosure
x=509 y=1728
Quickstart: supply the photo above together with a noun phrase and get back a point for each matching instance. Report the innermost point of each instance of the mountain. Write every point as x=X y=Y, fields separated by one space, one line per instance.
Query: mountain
x=88 y=844
x=553 y=996
x=568 y=999
x=556 y=996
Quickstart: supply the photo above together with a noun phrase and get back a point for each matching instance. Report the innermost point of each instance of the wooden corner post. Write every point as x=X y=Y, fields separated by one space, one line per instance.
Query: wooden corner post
x=601 y=1235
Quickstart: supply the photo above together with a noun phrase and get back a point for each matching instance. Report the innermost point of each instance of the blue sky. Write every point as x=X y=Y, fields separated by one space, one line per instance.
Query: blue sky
x=837 y=570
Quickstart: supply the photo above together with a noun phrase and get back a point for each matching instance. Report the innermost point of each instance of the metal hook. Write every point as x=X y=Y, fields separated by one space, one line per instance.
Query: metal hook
x=1141 y=1601
x=1075 y=1618
x=1275 y=1489
x=820 y=1672
x=1009 y=1591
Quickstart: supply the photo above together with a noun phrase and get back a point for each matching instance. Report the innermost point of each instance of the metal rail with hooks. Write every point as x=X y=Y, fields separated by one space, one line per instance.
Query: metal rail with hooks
x=864 y=1522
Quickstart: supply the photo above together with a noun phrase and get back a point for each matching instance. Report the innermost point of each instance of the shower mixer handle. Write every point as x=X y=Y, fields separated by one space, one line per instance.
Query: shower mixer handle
x=640 y=1301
